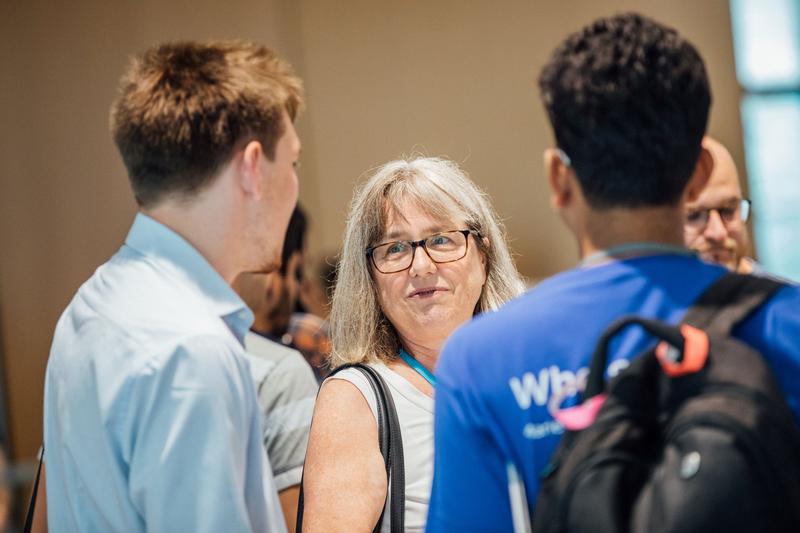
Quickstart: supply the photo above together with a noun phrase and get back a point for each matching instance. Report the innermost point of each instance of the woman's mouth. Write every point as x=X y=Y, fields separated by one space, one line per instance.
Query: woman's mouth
x=425 y=292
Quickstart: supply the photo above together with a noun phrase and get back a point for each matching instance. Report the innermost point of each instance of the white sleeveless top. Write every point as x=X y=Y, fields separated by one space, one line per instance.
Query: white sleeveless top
x=415 y=413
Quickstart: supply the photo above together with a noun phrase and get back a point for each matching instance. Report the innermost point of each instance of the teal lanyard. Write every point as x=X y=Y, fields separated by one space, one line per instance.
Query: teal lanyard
x=416 y=365
x=634 y=249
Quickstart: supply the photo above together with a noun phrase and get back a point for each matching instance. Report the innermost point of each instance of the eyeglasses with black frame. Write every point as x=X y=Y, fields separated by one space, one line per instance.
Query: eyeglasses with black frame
x=697 y=219
x=444 y=247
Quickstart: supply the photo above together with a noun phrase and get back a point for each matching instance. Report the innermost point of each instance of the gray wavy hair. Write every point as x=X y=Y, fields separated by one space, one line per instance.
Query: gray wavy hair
x=360 y=332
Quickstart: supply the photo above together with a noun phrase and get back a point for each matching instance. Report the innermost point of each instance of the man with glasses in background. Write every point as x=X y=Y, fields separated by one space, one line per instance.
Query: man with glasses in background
x=716 y=222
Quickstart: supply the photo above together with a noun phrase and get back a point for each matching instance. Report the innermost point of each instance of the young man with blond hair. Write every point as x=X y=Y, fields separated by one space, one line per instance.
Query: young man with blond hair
x=151 y=421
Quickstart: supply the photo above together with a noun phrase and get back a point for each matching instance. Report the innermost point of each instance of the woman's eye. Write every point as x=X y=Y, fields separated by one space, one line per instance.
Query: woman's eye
x=396 y=248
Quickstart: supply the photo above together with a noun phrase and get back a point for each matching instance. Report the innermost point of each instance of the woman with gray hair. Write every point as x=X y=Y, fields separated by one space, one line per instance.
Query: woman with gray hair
x=423 y=253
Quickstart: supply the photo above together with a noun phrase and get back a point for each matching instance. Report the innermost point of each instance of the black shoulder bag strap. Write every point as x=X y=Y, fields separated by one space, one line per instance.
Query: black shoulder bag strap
x=390 y=442
x=32 y=504
x=729 y=300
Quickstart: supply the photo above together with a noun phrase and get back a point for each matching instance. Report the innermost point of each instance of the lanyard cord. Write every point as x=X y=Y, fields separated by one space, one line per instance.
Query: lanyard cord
x=634 y=249
x=416 y=365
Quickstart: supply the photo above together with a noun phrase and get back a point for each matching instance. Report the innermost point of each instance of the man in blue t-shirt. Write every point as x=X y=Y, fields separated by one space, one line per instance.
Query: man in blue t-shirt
x=628 y=100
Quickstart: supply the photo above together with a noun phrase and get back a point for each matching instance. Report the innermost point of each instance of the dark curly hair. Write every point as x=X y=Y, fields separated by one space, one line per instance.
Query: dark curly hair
x=628 y=99
x=184 y=107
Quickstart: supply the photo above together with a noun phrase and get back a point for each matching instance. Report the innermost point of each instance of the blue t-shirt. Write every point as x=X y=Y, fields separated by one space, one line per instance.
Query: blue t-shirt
x=498 y=373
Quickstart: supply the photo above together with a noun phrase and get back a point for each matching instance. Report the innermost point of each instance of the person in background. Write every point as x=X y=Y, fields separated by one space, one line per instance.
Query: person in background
x=279 y=293
x=284 y=381
x=309 y=327
x=6 y=500
x=628 y=99
x=716 y=222
x=282 y=316
x=151 y=421
x=423 y=253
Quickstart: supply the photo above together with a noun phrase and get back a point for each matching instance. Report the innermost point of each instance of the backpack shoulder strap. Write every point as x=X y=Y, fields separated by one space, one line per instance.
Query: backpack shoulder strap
x=390 y=442
x=729 y=300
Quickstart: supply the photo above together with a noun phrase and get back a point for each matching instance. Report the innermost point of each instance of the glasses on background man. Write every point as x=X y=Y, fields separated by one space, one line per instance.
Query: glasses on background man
x=736 y=211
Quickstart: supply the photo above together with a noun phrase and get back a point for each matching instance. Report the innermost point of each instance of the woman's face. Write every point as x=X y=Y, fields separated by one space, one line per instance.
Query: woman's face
x=428 y=301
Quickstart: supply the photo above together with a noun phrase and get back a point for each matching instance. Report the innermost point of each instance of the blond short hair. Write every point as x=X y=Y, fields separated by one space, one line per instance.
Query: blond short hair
x=185 y=107
x=360 y=331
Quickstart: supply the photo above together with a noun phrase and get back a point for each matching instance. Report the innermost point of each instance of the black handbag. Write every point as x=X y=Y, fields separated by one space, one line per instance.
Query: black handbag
x=391 y=445
x=32 y=503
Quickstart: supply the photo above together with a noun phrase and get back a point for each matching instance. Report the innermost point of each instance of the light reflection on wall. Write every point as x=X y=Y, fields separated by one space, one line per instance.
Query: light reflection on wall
x=766 y=37
x=767 y=45
x=772 y=147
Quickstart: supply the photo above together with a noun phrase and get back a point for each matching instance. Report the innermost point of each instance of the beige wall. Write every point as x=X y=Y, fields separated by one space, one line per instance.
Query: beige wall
x=384 y=78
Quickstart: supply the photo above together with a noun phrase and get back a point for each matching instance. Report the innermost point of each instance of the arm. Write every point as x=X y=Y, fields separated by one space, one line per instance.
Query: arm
x=345 y=478
x=288 y=498
x=39 y=522
x=774 y=330
x=287 y=397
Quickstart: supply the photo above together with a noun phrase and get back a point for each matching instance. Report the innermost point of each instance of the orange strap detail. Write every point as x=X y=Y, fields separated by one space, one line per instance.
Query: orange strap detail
x=695 y=353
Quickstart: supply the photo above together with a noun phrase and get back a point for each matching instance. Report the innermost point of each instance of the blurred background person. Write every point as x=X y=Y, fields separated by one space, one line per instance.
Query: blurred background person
x=281 y=292
x=5 y=491
x=423 y=253
x=284 y=381
x=716 y=222
x=309 y=328
x=293 y=307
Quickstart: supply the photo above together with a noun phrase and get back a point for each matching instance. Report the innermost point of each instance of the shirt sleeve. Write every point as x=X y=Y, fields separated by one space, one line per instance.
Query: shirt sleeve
x=287 y=398
x=470 y=487
x=774 y=330
x=193 y=460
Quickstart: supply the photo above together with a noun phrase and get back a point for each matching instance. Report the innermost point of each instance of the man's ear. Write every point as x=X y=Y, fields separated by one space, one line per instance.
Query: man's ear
x=252 y=169
x=558 y=178
x=700 y=176
x=272 y=290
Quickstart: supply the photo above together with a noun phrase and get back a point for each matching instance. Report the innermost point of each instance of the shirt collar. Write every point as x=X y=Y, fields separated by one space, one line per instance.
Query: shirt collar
x=153 y=239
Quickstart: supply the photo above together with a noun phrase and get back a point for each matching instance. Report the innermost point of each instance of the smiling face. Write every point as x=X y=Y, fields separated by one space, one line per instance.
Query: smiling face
x=428 y=301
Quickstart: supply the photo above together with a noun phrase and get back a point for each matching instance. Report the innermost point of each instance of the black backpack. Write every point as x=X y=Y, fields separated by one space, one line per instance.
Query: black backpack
x=694 y=436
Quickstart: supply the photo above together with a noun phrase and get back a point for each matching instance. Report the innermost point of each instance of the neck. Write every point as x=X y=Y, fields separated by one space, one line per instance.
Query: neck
x=426 y=353
x=607 y=228
x=261 y=325
x=208 y=235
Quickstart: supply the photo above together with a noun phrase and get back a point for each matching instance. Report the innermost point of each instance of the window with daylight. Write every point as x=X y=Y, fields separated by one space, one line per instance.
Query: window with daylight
x=766 y=35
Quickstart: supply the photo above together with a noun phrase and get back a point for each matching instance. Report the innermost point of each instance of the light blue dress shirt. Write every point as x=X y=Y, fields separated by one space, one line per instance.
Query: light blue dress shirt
x=151 y=421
